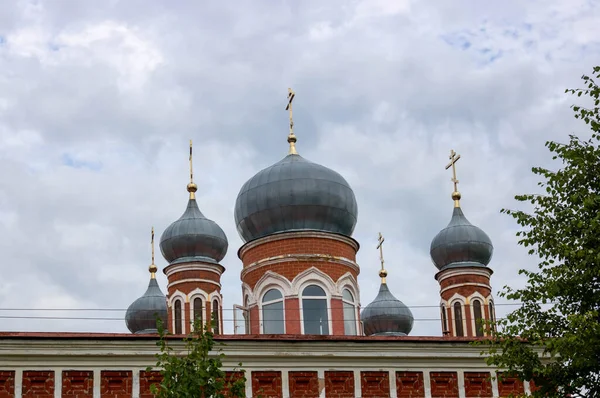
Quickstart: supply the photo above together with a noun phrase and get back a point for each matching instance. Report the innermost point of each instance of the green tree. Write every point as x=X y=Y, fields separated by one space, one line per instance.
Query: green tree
x=197 y=372
x=554 y=337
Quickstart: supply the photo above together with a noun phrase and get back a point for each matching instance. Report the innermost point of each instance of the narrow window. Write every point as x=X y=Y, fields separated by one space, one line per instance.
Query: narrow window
x=272 y=312
x=247 y=315
x=492 y=314
x=198 y=309
x=444 y=320
x=178 y=317
x=349 y=313
x=314 y=310
x=476 y=305
x=458 y=320
x=215 y=309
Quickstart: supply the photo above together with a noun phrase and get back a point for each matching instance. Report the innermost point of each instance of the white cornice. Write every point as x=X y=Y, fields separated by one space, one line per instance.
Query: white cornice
x=450 y=272
x=214 y=268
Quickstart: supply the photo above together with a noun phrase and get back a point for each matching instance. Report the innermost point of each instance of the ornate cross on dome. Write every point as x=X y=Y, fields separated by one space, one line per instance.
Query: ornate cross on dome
x=152 y=267
x=453 y=159
x=291 y=137
x=382 y=272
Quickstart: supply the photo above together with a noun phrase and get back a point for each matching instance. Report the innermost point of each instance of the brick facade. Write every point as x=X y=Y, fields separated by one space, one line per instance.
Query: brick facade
x=304 y=384
x=38 y=384
x=267 y=384
x=509 y=385
x=116 y=384
x=375 y=384
x=339 y=384
x=7 y=384
x=444 y=384
x=478 y=384
x=410 y=385
x=78 y=384
x=147 y=379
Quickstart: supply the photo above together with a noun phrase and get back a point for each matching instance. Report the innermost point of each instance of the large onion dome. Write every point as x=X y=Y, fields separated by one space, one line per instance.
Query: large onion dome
x=295 y=194
x=193 y=237
x=386 y=315
x=461 y=244
x=142 y=313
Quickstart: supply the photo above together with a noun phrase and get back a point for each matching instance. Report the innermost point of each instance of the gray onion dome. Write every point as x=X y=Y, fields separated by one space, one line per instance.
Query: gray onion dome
x=295 y=194
x=193 y=238
x=142 y=313
x=386 y=315
x=461 y=244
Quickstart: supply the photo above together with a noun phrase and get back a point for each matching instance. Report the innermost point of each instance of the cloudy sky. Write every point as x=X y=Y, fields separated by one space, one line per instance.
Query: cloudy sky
x=99 y=99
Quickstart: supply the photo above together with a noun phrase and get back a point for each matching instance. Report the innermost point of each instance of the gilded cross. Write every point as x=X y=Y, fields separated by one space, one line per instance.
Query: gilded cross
x=152 y=267
x=453 y=159
x=291 y=137
x=191 y=168
x=380 y=247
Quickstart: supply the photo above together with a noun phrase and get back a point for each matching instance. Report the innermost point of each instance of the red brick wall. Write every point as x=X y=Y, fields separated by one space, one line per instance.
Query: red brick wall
x=444 y=384
x=304 y=384
x=231 y=377
x=7 y=384
x=78 y=384
x=375 y=384
x=146 y=380
x=508 y=385
x=38 y=384
x=116 y=383
x=254 y=320
x=478 y=384
x=339 y=384
x=291 y=244
x=292 y=316
x=267 y=384
x=337 y=317
x=410 y=384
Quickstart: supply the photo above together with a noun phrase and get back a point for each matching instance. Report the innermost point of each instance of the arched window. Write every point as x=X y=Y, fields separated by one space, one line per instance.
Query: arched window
x=458 y=320
x=198 y=309
x=272 y=312
x=215 y=310
x=178 y=317
x=444 y=319
x=492 y=314
x=247 y=315
x=314 y=310
x=349 y=313
x=476 y=305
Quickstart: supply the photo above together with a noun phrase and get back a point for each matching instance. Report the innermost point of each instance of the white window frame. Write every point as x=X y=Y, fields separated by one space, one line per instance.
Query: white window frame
x=266 y=290
x=355 y=310
x=327 y=299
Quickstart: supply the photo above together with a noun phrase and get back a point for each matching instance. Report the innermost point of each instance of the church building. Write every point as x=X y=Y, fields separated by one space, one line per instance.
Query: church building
x=301 y=331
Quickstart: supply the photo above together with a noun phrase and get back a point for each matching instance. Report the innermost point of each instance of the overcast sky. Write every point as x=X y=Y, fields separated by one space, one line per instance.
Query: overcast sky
x=98 y=100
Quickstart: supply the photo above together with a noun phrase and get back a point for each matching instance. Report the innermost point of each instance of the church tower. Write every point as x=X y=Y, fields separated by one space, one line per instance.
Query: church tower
x=299 y=272
x=193 y=246
x=462 y=252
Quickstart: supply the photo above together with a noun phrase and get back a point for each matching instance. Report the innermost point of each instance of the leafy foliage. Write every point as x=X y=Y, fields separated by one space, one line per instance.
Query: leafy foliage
x=559 y=318
x=198 y=373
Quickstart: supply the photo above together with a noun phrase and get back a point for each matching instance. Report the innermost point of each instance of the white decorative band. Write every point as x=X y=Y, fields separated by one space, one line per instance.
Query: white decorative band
x=214 y=268
x=465 y=284
x=299 y=257
x=194 y=280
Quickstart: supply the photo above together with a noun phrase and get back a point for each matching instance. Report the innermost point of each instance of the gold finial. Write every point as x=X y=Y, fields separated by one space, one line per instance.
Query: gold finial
x=453 y=159
x=152 y=268
x=291 y=137
x=382 y=271
x=191 y=187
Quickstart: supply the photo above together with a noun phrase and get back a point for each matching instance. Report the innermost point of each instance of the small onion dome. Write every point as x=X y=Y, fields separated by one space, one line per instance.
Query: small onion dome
x=141 y=314
x=295 y=194
x=461 y=244
x=193 y=238
x=386 y=315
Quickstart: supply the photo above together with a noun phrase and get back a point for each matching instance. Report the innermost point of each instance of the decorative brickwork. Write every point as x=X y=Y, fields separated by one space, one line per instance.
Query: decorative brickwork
x=116 y=384
x=266 y=384
x=410 y=384
x=444 y=384
x=375 y=384
x=232 y=377
x=304 y=384
x=478 y=384
x=146 y=380
x=508 y=385
x=7 y=384
x=38 y=384
x=339 y=384
x=78 y=384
